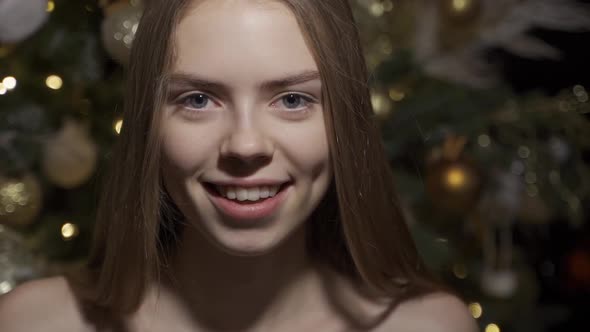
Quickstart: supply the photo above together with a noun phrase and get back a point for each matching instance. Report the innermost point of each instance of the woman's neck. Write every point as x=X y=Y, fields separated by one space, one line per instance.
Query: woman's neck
x=222 y=292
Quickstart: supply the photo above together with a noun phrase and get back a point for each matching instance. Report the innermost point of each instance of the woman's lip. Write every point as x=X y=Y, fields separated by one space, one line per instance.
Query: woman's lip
x=248 y=210
x=248 y=183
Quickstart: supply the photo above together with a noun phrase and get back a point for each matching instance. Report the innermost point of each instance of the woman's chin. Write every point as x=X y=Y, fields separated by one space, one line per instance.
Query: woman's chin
x=244 y=242
x=253 y=242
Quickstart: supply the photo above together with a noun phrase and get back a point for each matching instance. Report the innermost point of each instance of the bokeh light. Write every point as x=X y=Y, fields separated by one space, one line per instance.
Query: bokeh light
x=9 y=82
x=492 y=328
x=54 y=82
x=475 y=309
x=69 y=231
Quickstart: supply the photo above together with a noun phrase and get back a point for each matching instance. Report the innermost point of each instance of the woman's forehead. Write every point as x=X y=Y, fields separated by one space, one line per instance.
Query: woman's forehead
x=241 y=40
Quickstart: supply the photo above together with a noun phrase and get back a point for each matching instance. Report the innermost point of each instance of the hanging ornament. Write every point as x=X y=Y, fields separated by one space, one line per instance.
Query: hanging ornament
x=69 y=158
x=501 y=283
x=17 y=264
x=20 y=200
x=21 y=18
x=119 y=28
x=501 y=199
x=453 y=181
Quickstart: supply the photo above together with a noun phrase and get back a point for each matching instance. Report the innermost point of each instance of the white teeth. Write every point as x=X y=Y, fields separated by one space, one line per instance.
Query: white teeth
x=253 y=194
x=250 y=194
x=242 y=194
x=229 y=192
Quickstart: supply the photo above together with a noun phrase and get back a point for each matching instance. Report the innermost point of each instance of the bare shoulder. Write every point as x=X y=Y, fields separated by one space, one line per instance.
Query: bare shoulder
x=438 y=312
x=41 y=305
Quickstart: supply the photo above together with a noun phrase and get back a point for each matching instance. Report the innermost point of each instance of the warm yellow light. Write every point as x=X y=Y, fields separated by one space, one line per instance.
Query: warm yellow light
x=2 y=88
x=475 y=309
x=460 y=271
x=492 y=328
x=460 y=5
x=455 y=177
x=54 y=82
x=118 y=126
x=69 y=230
x=377 y=9
x=9 y=82
x=396 y=95
x=50 y=6
x=381 y=105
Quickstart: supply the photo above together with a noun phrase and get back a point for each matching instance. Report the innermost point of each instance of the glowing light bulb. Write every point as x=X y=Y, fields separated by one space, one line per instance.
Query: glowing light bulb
x=50 y=6
x=455 y=177
x=118 y=126
x=54 y=82
x=9 y=82
x=492 y=328
x=69 y=231
x=475 y=309
x=396 y=95
x=381 y=104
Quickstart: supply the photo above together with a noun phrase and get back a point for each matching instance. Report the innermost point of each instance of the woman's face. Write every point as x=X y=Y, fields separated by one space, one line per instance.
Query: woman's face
x=244 y=119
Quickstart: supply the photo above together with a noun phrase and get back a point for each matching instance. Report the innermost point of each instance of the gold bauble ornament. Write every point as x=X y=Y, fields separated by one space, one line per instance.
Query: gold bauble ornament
x=20 y=200
x=70 y=157
x=452 y=180
x=453 y=185
x=119 y=28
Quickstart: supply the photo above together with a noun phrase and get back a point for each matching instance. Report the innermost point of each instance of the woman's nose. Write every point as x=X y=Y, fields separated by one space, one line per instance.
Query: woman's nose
x=246 y=142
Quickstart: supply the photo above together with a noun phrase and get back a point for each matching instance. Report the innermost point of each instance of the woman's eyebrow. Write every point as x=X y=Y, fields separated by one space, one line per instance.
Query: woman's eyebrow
x=180 y=79
x=299 y=78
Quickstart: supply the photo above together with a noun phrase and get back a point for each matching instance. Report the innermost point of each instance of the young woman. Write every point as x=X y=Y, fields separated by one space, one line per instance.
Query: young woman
x=249 y=190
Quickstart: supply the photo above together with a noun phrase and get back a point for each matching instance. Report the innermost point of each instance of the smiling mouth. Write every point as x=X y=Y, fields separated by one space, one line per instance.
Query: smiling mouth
x=243 y=196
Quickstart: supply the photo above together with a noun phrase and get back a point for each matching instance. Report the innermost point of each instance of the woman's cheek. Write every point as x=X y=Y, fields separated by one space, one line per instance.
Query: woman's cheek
x=186 y=147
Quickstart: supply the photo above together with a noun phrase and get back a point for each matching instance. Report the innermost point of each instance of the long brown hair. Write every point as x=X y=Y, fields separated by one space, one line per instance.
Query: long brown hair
x=358 y=228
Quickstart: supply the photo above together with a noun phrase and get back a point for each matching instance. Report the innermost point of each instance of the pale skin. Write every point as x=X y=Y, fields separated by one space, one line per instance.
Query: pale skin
x=256 y=278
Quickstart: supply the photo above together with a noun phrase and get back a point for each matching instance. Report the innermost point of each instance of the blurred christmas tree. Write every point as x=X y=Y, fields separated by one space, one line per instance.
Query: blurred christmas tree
x=484 y=119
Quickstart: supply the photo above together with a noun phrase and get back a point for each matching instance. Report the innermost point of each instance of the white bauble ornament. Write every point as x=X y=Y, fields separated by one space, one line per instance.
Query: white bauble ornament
x=501 y=201
x=499 y=283
x=69 y=158
x=21 y=18
x=118 y=30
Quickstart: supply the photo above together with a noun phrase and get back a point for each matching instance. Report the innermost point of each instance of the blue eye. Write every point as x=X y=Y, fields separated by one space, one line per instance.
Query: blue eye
x=295 y=101
x=195 y=101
